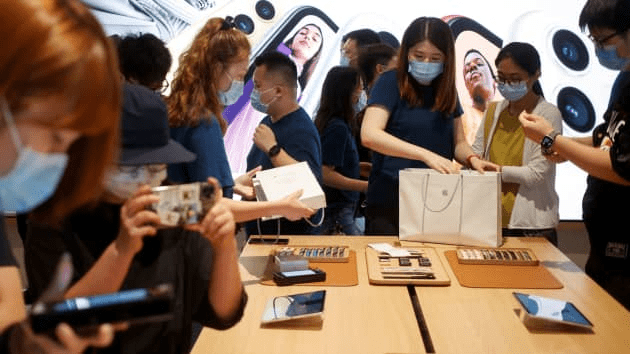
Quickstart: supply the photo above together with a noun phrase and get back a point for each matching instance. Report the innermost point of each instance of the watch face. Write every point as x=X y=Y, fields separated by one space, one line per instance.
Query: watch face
x=275 y=150
x=546 y=142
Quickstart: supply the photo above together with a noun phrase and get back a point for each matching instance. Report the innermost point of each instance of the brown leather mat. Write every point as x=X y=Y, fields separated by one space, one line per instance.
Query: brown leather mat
x=502 y=276
x=337 y=274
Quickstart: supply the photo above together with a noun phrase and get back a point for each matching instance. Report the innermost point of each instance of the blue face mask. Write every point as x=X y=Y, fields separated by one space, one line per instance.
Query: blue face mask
x=257 y=103
x=425 y=72
x=232 y=95
x=361 y=102
x=608 y=57
x=344 y=61
x=34 y=176
x=513 y=92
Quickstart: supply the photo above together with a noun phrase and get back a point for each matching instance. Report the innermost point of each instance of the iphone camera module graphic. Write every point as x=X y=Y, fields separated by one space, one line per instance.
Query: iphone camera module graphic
x=572 y=78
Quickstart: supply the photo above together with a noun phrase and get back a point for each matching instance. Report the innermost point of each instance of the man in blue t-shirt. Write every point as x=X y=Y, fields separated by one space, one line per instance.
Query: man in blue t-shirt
x=286 y=135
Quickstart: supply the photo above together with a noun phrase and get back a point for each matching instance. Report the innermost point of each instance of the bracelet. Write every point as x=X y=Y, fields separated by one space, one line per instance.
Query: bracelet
x=470 y=157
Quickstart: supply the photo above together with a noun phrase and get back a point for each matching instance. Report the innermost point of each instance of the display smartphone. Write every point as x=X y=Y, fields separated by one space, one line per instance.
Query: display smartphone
x=299 y=276
x=476 y=48
x=305 y=34
x=545 y=311
x=85 y=314
x=294 y=307
x=183 y=204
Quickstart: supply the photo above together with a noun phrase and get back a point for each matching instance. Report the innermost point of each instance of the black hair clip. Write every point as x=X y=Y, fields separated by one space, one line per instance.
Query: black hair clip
x=228 y=23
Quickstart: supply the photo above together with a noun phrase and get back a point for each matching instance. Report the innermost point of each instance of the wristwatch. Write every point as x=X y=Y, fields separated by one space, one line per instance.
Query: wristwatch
x=275 y=150
x=548 y=140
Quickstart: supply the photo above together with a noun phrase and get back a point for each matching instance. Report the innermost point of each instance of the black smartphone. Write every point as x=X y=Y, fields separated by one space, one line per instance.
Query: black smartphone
x=85 y=314
x=476 y=48
x=306 y=35
x=183 y=204
x=299 y=276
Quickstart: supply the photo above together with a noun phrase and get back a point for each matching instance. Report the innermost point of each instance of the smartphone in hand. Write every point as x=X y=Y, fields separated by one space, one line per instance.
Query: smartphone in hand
x=85 y=314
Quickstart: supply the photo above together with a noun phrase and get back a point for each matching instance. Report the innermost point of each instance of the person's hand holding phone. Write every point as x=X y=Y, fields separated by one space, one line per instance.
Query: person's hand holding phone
x=136 y=221
x=218 y=224
x=23 y=340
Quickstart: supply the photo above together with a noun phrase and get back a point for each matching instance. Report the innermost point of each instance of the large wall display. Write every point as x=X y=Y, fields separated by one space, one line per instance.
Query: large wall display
x=572 y=78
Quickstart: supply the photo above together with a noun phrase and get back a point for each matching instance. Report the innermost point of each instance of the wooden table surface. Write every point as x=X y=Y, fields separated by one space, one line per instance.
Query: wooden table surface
x=380 y=319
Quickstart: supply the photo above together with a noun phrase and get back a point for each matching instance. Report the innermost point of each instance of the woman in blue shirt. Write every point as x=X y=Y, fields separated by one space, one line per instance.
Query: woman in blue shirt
x=414 y=120
x=342 y=94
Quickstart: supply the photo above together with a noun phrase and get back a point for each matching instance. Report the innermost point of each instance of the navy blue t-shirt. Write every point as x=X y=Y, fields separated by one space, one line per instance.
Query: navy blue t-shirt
x=205 y=140
x=432 y=130
x=339 y=150
x=298 y=137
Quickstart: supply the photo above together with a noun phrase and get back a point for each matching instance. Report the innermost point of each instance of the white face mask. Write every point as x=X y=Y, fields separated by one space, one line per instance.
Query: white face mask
x=125 y=180
x=34 y=176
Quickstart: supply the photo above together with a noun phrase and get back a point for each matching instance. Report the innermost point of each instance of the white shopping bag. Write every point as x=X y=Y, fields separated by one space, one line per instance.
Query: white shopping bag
x=461 y=209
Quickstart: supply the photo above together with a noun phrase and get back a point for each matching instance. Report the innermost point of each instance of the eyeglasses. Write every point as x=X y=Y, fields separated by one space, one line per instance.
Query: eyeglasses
x=135 y=170
x=600 y=42
x=511 y=81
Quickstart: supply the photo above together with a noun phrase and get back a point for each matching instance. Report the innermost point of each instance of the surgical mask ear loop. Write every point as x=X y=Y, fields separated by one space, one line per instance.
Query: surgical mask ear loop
x=8 y=117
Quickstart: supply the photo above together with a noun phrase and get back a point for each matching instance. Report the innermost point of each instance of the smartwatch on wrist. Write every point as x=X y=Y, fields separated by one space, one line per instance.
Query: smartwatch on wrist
x=275 y=150
x=548 y=140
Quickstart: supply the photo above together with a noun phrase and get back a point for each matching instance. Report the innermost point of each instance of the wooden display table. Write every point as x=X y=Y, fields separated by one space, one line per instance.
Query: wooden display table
x=381 y=319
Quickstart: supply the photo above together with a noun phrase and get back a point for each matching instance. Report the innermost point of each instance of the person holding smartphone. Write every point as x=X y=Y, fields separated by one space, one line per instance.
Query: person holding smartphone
x=118 y=244
x=528 y=195
x=413 y=119
x=342 y=96
x=58 y=115
x=605 y=155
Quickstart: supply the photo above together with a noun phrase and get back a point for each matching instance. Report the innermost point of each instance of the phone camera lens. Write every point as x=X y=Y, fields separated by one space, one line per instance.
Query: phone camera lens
x=265 y=10
x=244 y=23
x=577 y=110
x=570 y=49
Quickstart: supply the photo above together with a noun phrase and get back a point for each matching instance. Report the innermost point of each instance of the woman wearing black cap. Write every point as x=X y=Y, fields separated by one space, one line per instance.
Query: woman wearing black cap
x=117 y=246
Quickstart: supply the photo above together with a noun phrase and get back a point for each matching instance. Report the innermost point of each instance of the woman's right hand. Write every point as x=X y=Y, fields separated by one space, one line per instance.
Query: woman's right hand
x=136 y=222
x=293 y=209
x=441 y=164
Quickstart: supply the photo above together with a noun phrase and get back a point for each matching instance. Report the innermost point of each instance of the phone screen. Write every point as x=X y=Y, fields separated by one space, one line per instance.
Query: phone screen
x=476 y=47
x=304 y=35
x=552 y=309
x=282 y=308
x=298 y=273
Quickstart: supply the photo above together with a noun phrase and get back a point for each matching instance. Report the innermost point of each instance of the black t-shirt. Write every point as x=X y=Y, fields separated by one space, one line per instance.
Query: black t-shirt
x=182 y=258
x=6 y=256
x=605 y=204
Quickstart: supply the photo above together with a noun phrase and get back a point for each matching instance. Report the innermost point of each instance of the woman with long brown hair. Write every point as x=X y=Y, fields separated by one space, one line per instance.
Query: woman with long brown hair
x=414 y=120
x=209 y=78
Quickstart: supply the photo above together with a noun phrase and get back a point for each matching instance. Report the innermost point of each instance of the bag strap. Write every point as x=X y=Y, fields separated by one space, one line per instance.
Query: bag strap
x=487 y=126
x=460 y=182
